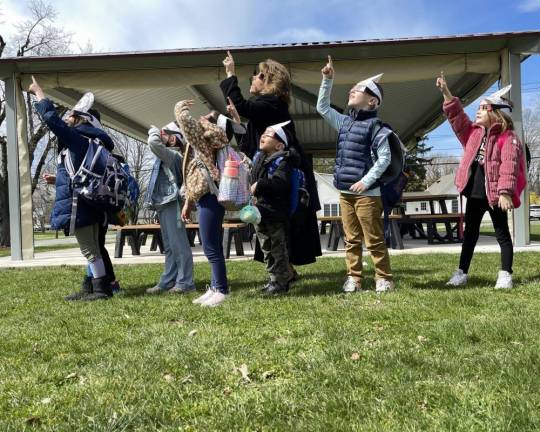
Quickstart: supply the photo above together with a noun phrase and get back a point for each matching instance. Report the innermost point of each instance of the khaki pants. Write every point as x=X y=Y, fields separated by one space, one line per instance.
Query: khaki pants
x=362 y=223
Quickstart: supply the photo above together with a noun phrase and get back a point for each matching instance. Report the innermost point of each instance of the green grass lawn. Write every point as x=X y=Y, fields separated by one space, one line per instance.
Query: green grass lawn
x=534 y=227
x=421 y=358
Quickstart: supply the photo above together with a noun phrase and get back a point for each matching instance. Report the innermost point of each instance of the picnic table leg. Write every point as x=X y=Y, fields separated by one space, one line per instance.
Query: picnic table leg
x=330 y=234
x=338 y=232
x=238 y=245
x=227 y=242
x=159 y=241
x=448 y=225
x=395 y=235
x=135 y=248
x=119 y=246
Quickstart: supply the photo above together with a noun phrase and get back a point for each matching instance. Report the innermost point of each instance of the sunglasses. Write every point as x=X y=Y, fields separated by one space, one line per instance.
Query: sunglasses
x=256 y=75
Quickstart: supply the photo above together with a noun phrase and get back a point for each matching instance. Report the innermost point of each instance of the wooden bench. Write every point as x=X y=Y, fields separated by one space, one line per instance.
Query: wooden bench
x=136 y=235
x=396 y=242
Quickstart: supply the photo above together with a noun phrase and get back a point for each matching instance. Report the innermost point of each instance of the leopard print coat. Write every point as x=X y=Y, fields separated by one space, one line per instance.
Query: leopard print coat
x=203 y=140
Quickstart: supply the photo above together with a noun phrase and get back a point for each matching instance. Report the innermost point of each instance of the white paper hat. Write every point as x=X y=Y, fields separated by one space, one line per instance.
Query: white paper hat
x=496 y=99
x=173 y=129
x=278 y=129
x=370 y=84
x=238 y=128
x=83 y=105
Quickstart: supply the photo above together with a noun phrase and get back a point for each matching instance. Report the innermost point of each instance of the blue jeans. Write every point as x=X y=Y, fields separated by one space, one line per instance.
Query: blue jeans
x=178 y=257
x=210 y=229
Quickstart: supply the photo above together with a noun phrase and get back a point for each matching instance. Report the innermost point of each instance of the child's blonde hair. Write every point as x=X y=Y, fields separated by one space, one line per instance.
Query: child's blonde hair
x=277 y=80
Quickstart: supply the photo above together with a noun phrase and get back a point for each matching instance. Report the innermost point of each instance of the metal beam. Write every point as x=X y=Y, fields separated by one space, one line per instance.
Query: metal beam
x=15 y=217
x=70 y=97
x=198 y=92
x=308 y=97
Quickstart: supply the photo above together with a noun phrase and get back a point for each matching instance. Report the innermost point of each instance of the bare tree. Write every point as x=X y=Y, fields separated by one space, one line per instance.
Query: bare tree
x=37 y=36
x=440 y=166
x=531 y=136
x=139 y=158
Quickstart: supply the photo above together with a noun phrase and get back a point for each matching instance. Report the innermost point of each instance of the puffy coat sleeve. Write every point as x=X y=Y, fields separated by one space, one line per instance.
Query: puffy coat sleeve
x=280 y=181
x=460 y=122
x=200 y=136
x=511 y=154
x=249 y=109
x=67 y=136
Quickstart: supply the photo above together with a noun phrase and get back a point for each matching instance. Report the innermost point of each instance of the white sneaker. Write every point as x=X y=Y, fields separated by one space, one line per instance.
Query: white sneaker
x=504 y=281
x=458 y=279
x=350 y=285
x=384 y=285
x=215 y=300
x=209 y=293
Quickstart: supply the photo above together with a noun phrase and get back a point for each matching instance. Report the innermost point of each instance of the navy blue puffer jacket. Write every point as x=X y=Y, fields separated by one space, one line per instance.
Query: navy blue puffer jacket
x=76 y=140
x=353 y=157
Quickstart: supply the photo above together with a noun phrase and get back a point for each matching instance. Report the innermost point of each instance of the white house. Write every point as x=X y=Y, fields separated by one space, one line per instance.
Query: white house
x=445 y=185
x=328 y=195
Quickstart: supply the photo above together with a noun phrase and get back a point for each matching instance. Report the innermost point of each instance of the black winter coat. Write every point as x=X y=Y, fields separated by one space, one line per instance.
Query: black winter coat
x=273 y=190
x=267 y=110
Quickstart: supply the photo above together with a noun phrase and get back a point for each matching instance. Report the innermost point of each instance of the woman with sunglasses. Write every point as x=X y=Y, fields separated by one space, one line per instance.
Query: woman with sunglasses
x=491 y=174
x=271 y=88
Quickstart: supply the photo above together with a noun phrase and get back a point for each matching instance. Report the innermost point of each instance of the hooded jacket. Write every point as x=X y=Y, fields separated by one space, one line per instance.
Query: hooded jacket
x=75 y=139
x=274 y=189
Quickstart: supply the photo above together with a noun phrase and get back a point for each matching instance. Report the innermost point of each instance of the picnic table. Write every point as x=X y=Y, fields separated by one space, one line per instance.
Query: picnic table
x=453 y=222
x=137 y=234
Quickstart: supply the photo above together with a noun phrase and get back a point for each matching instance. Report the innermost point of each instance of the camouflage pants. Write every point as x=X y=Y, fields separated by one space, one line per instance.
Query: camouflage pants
x=273 y=239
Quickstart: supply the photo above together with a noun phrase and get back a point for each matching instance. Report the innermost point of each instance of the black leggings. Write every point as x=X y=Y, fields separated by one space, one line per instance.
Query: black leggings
x=109 y=271
x=473 y=217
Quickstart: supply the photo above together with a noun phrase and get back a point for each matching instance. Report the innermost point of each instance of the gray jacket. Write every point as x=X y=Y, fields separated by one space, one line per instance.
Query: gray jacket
x=166 y=178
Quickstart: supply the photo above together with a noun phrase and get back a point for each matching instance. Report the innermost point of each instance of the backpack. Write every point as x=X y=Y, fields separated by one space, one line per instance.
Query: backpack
x=233 y=194
x=521 y=179
x=133 y=192
x=394 y=179
x=299 y=193
x=100 y=180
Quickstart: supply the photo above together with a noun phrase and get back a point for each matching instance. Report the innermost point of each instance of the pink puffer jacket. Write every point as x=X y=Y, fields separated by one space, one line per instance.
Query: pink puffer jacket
x=504 y=163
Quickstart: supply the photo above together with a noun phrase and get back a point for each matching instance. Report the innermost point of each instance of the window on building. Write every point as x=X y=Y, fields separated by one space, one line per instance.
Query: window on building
x=331 y=210
x=423 y=206
x=455 y=206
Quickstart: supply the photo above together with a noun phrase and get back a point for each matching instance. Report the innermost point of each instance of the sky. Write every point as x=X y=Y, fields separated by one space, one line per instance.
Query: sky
x=130 y=25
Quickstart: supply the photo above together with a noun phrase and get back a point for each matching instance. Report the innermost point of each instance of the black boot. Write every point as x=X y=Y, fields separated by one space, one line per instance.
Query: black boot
x=101 y=289
x=86 y=289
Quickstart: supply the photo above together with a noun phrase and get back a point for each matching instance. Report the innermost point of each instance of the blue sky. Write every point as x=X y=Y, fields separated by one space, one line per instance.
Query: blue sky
x=131 y=25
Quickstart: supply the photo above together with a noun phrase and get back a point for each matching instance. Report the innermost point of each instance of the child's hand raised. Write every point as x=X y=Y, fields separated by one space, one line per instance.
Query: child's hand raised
x=35 y=89
x=328 y=70
x=443 y=87
x=231 y=109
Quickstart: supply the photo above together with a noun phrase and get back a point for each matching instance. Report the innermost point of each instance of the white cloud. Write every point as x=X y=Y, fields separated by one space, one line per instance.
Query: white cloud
x=529 y=5
x=132 y=25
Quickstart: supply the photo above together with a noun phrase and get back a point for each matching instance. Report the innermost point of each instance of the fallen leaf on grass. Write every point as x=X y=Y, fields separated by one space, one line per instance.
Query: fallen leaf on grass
x=192 y=333
x=187 y=379
x=46 y=400
x=355 y=356
x=422 y=339
x=227 y=391
x=168 y=377
x=244 y=372
x=127 y=316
